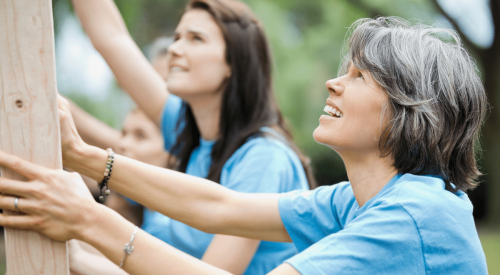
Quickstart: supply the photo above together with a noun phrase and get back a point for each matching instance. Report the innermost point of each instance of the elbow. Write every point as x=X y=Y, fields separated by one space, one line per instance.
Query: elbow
x=212 y=223
x=101 y=44
x=215 y=218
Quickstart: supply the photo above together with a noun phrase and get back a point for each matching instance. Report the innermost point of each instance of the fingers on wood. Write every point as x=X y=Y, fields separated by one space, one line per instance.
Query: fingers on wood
x=18 y=221
x=15 y=187
x=21 y=166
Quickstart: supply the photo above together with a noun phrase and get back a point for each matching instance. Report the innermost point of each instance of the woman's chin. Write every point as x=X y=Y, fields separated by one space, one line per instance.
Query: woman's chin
x=320 y=136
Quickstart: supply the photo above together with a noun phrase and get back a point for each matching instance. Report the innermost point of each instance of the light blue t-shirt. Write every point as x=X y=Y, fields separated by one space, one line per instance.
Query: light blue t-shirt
x=261 y=165
x=412 y=226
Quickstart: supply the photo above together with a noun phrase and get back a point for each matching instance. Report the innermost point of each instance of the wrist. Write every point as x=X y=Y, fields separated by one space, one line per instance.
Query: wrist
x=86 y=160
x=106 y=231
x=74 y=153
x=90 y=223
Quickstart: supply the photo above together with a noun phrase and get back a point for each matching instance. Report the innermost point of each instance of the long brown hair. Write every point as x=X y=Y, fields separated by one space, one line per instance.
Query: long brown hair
x=247 y=103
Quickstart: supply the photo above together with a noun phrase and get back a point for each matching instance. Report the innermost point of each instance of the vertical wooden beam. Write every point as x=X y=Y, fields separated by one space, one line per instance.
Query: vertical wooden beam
x=29 y=124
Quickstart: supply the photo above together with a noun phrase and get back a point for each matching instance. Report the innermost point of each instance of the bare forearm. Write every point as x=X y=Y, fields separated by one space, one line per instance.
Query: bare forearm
x=150 y=255
x=197 y=202
x=104 y=25
x=100 y=19
x=231 y=253
x=86 y=263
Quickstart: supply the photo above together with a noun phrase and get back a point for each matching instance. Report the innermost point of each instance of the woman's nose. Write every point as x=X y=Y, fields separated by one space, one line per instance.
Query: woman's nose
x=176 y=48
x=335 y=86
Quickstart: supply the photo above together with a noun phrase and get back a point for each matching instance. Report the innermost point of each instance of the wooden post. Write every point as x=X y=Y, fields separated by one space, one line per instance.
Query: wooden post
x=29 y=123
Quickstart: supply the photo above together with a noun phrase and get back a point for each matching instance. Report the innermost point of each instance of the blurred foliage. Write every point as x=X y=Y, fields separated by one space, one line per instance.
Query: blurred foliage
x=491 y=246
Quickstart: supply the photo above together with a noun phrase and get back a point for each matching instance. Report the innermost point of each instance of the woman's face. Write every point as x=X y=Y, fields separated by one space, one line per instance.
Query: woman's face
x=359 y=101
x=141 y=140
x=197 y=63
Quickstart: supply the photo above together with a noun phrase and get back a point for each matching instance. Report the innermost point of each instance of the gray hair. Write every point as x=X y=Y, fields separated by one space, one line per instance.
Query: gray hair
x=159 y=47
x=437 y=102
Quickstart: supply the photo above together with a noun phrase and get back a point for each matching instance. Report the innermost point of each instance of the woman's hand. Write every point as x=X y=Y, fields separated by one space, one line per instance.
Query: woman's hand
x=71 y=142
x=56 y=203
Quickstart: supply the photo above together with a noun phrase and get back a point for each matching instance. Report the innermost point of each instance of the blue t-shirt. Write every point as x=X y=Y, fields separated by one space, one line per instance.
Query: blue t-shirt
x=261 y=165
x=412 y=226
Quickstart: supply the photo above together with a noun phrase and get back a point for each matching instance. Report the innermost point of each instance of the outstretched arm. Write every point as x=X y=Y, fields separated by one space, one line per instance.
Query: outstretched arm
x=109 y=35
x=197 y=202
x=57 y=204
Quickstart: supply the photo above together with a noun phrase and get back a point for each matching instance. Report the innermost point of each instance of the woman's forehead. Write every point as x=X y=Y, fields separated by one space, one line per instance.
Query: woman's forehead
x=198 y=21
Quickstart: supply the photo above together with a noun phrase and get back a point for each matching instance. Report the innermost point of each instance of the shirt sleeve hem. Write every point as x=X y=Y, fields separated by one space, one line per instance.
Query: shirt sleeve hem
x=284 y=204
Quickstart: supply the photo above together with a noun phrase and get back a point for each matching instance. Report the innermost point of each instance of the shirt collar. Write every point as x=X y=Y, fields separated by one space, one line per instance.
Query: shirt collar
x=370 y=202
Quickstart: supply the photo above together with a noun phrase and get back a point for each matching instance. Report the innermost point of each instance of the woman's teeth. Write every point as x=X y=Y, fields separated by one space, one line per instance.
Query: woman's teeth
x=332 y=111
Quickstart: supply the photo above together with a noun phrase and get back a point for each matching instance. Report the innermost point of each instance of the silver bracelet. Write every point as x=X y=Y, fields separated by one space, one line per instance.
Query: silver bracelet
x=128 y=246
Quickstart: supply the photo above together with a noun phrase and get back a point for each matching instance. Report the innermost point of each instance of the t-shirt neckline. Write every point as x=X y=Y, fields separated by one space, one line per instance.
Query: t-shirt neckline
x=369 y=203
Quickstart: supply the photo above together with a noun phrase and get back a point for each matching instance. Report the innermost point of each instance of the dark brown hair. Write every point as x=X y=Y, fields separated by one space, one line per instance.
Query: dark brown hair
x=437 y=102
x=247 y=103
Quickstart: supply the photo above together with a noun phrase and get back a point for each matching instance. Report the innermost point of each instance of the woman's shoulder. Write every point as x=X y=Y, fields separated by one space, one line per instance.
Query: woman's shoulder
x=421 y=193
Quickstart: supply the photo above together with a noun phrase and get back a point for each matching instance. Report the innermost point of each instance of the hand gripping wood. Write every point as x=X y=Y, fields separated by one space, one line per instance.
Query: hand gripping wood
x=29 y=123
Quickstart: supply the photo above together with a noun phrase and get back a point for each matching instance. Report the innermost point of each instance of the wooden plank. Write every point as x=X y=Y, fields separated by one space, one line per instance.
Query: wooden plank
x=29 y=120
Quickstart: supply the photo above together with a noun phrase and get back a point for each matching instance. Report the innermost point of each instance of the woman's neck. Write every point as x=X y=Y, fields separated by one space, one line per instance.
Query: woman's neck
x=368 y=173
x=206 y=111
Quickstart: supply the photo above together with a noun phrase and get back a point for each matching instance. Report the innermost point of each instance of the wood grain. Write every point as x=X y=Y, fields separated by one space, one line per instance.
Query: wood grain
x=29 y=124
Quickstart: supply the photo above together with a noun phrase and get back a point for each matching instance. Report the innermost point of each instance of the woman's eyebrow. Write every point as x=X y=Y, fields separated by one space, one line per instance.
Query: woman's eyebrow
x=191 y=31
x=196 y=31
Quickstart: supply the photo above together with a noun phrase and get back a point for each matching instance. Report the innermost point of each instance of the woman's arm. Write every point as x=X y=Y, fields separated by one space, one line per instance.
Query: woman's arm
x=231 y=253
x=103 y=23
x=197 y=202
x=83 y=262
x=58 y=204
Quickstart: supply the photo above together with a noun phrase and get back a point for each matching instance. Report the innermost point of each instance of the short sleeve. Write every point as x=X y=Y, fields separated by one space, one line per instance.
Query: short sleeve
x=263 y=166
x=309 y=216
x=381 y=241
x=169 y=118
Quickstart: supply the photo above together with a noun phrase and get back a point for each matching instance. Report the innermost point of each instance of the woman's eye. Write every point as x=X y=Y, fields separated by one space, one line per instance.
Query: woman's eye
x=197 y=38
x=361 y=76
x=140 y=136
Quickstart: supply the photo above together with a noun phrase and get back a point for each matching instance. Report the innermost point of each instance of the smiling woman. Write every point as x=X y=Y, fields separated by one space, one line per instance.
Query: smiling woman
x=412 y=105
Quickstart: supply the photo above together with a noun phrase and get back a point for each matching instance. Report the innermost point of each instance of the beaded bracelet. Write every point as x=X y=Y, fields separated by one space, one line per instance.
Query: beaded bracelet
x=107 y=174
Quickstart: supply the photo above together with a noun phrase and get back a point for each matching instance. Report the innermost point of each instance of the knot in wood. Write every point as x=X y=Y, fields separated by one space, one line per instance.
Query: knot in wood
x=19 y=104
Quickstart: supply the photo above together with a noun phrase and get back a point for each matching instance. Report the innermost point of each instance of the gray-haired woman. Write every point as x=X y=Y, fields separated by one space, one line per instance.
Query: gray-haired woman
x=404 y=115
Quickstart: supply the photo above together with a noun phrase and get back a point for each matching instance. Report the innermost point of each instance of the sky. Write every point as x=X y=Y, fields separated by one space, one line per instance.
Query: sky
x=474 y=19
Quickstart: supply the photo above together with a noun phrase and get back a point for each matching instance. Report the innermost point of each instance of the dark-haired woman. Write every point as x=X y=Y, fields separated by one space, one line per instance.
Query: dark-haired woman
x=218 y=118
x=404 y=115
